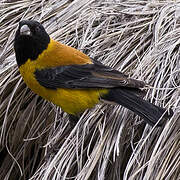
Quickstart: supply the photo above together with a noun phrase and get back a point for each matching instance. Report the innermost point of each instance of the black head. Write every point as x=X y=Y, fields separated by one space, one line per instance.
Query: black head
x=30 y=41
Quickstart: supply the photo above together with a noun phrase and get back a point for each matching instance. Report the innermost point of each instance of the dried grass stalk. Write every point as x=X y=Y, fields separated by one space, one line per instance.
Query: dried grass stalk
x=137 y=37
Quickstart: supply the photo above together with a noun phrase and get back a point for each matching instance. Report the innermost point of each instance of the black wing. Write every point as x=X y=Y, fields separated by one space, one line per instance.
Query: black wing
x=85 y=76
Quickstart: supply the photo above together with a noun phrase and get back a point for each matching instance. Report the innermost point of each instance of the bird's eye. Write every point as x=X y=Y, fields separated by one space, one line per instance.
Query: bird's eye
x=37 y=29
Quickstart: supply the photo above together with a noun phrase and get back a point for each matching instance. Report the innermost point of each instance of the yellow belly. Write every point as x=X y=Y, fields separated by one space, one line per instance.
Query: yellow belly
x=76 y=101
x=72 y=101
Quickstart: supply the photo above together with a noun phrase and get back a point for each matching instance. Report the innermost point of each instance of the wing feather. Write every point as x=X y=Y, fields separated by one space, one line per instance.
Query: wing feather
x=85 y=76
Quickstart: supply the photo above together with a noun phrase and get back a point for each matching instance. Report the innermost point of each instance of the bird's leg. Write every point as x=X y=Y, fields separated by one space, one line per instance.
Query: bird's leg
x=73 y=119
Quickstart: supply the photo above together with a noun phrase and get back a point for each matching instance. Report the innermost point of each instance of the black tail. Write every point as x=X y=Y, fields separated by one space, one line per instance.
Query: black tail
x=128 y=98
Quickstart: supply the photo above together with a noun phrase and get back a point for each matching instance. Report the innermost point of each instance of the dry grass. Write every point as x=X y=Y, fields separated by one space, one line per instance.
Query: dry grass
x=137 y=37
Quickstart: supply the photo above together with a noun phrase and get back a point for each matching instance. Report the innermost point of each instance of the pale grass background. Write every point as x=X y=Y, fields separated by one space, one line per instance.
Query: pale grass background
x=140 y=38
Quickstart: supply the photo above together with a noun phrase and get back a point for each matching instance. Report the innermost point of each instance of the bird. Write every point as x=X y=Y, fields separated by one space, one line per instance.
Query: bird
x=74 y=81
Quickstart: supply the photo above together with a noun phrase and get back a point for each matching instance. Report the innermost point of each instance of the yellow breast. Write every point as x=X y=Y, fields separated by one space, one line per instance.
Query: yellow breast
x=71 y=101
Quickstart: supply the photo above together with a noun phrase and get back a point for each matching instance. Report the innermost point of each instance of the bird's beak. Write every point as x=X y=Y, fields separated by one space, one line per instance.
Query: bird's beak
x=25 y=30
